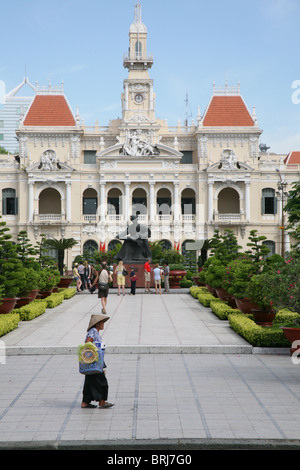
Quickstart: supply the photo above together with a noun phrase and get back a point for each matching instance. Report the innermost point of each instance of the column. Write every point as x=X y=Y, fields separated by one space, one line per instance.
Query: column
x=102 y=201
x=152 y=202
x=68 y=201
x=126 y=202
x=126 y=95
x=247 y=200
x=176 y=201
x=30 y=202
x=210 y=202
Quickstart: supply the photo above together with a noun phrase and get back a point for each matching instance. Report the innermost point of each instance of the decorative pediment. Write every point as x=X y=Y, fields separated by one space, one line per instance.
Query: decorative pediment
x=140 y=149
x=229 y=162
x=50 y=163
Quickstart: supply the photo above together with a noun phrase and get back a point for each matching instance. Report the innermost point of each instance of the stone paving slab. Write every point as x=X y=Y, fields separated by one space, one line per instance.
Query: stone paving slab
x=141 y=323
x=180 y=378
x=183 y=399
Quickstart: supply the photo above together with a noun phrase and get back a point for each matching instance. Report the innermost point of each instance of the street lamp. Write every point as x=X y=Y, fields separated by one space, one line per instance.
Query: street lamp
x=282 y=193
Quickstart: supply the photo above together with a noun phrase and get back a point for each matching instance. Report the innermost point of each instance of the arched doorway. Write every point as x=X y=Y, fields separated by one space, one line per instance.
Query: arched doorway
x=188 y=202
x=228 y=201
x=114 y=202
x=89 y=202
x=50 y=201
x=139 y=202
x=163 y=201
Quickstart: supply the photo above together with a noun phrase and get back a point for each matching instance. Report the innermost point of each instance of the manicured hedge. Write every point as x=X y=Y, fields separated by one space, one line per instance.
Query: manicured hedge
x=68 y=293
x=195 y=290
x=8 y=322
x=221 y=309
x=32 y=310
x=257 y=335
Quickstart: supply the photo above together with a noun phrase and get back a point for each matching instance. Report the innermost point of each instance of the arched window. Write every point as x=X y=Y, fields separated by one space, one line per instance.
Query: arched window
x=50 y=201
x=90 y=201
x=9 y=202
x=163 y=202
x=89 y=247
x=188 y=202
x=271 y=245
x=228 y=201
x=269 y=201
x=138 y=50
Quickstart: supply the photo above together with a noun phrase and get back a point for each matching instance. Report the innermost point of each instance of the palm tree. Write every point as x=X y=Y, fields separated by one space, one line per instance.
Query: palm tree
x=60 y=245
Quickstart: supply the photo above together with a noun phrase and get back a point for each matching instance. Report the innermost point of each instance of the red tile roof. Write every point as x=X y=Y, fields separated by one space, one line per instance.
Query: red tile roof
x=49 y=110
x=293 y=158
x=228 y=111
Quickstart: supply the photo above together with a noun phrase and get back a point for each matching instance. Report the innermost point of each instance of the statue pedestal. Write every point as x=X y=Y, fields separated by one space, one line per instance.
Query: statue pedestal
x=139 y=271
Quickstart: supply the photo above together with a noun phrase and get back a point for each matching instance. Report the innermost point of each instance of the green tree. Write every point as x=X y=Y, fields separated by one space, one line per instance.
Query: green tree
x=61 y=246
x=12 y=273
x=292 y=208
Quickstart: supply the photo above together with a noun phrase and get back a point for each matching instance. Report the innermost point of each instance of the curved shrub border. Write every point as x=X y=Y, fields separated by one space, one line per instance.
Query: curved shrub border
x=257 y=335
x=31 y=311
x=222 y=310
x=244 y=325
x=8 y=322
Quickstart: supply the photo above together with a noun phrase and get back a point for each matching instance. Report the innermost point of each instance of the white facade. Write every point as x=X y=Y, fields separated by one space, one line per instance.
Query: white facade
x=85 y=182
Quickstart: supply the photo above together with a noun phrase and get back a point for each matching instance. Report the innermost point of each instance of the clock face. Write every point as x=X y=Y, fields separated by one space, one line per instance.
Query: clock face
x=138 y=98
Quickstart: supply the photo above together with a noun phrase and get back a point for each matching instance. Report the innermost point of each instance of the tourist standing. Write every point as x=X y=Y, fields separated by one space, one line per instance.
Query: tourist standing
x=147 y=271
x=77 y=277
x=81 y=271
x=157 y=278
x=133 y=279
x=120 y=270
x=166 y=277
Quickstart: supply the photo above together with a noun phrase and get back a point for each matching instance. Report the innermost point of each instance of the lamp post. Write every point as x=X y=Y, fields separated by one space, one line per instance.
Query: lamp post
x=282 y=193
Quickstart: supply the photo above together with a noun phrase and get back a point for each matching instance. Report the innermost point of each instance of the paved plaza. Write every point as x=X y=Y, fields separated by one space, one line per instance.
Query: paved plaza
x=179 y=377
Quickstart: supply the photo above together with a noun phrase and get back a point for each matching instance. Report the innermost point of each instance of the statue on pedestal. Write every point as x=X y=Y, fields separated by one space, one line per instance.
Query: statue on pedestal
x=135 y=247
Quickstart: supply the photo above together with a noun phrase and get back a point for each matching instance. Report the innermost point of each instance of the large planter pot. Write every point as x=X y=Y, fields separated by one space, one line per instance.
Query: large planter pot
x=44 y=293
x=263 y=317
x=292 y=335
x=33 y=294
x=175 y=277
x=64 y=282
x=197 y=281
x=23 y=301
x=212 y=290
x=245 y=305
x=222 y=293
x=7 y=304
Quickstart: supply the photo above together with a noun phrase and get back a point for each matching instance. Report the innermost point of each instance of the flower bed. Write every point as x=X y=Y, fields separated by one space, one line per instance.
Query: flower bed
x=32 y=310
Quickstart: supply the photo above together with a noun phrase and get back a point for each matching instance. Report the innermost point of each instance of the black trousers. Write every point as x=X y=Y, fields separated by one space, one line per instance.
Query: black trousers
x=95 y=388
x=133 y=285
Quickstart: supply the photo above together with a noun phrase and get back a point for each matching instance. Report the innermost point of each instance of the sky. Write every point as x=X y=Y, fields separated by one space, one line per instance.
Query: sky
x=194 y=43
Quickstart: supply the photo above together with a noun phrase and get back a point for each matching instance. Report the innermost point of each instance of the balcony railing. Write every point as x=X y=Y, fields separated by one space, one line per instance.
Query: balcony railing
x=49 y=218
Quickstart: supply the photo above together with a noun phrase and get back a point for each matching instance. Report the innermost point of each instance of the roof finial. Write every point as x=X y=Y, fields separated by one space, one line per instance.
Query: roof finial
x=137 y=13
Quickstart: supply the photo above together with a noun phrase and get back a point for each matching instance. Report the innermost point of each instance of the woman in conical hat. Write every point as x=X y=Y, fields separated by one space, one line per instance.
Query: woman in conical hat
x=95 y=385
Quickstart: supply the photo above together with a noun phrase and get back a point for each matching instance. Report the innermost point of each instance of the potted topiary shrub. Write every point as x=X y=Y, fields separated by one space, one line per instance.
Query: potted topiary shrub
x=264 y=314
x=47 y=280
x=177 y=272
x=12 y=273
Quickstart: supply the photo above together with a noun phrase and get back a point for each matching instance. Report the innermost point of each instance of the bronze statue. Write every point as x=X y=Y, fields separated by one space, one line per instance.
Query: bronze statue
x=135 y=247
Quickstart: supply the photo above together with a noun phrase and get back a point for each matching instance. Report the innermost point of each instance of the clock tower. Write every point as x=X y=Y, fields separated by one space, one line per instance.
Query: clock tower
x=138 y=98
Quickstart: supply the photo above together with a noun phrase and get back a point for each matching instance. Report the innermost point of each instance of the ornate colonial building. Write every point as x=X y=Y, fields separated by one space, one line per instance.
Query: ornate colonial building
x=71 y=180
